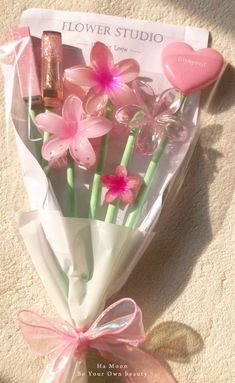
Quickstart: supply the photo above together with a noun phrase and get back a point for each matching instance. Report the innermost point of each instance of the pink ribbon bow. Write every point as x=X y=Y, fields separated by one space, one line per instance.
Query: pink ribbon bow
x=115 y=334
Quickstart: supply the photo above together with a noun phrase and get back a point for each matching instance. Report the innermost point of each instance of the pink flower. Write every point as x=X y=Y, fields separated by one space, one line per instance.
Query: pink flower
x=71 y=132
x=119 y=185
x=151 y=115
x=106 y=80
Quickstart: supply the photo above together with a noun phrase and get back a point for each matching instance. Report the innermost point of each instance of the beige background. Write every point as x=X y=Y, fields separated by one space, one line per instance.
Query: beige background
x=187 y=274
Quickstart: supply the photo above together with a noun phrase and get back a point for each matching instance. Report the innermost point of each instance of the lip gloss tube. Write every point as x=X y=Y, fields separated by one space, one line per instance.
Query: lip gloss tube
x=51 y=69
x=26 y=67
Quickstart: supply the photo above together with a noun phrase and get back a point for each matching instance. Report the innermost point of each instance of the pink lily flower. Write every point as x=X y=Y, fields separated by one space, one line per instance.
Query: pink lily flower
x=106 y=80
x=71 y=132
x=120 y=185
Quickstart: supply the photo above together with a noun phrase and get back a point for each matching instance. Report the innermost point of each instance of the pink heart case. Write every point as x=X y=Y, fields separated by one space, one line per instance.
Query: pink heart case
x=189 y=70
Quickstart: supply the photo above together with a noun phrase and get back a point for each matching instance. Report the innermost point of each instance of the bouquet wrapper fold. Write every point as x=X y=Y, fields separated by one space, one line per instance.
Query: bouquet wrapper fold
x=82 y=262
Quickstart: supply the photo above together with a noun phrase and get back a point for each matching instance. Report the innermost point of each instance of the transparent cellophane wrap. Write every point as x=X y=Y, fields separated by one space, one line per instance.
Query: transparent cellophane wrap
x=83 y=262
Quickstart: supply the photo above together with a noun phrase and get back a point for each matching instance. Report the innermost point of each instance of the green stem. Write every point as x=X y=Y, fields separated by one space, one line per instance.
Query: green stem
x=133 y=216
x=112 y=210
x=96 y=184
x=71 y=187
x=149 y=175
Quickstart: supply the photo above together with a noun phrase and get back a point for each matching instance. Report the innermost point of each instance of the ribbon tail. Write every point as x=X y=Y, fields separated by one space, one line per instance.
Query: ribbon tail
x=60 y=367
x=141 y=366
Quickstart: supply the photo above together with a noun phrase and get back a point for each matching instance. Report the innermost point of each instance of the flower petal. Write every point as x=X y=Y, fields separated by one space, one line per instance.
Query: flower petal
x=72 y=109
x=54 y=148
x=82 y=151
x=130 y=114
x=95 y=100
x=121 y=171
x=121 y=94
x=127 y=70
x=145 y=95
x=80 y=75
x=110 y=196
x=58 y=163
x=133 y=182
x=51 y=122
x=169 y=101
x=101 y=58
x=108 y=180
x=127 y=197
x=95 y=127
x=75 y=89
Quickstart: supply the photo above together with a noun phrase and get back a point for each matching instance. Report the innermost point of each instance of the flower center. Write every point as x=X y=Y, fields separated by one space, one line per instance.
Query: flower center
x=71 y=128
x=105 y=79
x=120 y=184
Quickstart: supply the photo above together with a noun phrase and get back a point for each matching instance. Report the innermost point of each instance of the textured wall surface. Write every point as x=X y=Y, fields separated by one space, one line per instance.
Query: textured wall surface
x=187 y=274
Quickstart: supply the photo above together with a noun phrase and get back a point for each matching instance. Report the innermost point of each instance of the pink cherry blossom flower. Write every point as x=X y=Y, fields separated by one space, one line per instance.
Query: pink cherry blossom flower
x=106 y=80
x=120 y=185
x=71 y=132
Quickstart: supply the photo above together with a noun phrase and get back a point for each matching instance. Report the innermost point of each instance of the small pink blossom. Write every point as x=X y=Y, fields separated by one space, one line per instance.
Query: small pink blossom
x=119 y=185
x=71 y=132
x=106 y=80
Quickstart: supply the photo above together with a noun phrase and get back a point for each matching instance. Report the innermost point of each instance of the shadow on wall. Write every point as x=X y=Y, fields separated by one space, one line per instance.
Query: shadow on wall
x=219 y=98
x=173 y=341
x=4 y=380
x=183 y=233
x=220 y=13
x=168 y=341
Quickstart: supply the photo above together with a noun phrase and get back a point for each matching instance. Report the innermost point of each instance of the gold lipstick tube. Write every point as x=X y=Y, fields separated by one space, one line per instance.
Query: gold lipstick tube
x=51 y=69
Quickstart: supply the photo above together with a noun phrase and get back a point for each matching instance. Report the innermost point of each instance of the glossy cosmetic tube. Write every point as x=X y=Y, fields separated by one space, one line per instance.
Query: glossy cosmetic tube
x=51 y=69
x=26 y=67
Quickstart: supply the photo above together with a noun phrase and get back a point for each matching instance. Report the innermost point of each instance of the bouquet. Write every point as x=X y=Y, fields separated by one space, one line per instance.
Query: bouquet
x=100 y=142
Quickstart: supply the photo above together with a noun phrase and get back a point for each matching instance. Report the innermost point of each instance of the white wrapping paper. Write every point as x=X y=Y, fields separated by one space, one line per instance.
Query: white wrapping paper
x=81 y=262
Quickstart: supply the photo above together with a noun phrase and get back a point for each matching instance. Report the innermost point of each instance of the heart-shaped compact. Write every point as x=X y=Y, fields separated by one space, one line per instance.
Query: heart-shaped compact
x=189 y=70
